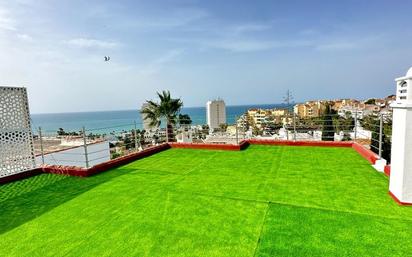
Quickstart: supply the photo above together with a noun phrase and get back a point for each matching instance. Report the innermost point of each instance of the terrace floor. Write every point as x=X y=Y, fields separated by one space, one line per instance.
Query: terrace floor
x=263 y=201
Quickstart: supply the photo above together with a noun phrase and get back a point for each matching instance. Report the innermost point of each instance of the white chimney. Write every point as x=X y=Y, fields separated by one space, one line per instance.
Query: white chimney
x=400 y=184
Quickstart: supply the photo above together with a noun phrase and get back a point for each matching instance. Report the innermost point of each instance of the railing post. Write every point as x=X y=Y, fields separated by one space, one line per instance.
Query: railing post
x=41 y=145
x=294 y=127
x=244 y=129
x=380 y=134
x=356 y=125
x=237 y=132
x=135 y=137
x=167 y=131
x=85 y=147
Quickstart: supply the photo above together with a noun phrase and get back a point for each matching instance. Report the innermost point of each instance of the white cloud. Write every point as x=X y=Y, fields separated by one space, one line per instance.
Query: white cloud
x=163 y=19
x=242 y=45
x=309 y=32
x=6 y=22
x=157 y=64
x=253 y=45
x=25 y=37
x=90 y=43
x=336 y=46
x=244 y=28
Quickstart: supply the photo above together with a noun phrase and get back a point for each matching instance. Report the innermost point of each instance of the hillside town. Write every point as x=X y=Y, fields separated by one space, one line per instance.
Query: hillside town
x=304 y=121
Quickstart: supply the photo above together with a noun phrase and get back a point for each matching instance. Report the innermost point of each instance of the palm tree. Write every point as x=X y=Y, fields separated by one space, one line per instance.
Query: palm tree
x=167 y=109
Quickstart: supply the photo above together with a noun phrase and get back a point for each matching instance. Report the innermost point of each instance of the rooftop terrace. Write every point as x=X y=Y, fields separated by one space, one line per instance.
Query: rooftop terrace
x=262 y=201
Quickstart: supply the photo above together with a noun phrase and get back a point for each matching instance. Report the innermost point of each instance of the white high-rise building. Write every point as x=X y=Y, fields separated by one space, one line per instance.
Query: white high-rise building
x=215 y=113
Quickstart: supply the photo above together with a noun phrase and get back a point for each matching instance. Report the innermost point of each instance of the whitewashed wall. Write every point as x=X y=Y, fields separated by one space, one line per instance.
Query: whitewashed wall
x=97 y=153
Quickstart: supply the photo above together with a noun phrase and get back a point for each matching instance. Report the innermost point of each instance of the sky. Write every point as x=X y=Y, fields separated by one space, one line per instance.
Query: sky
x=245 y=52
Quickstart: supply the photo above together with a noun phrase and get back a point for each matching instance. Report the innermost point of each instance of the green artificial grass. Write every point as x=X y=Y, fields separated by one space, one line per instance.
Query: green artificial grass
x=263 y=201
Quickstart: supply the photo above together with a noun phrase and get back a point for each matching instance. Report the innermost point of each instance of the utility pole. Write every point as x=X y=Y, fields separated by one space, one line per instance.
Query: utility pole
x=288 y=100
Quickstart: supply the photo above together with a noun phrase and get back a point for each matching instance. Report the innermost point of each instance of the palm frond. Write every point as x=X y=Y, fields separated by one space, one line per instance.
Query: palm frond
x=168 y=108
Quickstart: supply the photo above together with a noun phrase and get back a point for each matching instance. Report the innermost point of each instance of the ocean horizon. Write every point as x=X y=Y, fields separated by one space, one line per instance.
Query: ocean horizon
x=118 y=120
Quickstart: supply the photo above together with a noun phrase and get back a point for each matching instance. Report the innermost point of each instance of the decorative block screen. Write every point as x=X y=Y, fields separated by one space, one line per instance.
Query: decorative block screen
x=16 y=141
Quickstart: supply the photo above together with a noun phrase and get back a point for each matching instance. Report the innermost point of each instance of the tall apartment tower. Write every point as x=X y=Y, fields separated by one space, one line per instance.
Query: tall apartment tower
x=215 y=113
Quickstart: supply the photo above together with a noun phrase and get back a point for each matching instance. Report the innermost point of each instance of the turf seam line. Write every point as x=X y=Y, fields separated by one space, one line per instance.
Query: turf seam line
x=271 y=202
x=335 y=210
x=261 y=229
x=153 y=171
x=222 y=197
x=190 y=171
x=280 y=160
x=200 y=164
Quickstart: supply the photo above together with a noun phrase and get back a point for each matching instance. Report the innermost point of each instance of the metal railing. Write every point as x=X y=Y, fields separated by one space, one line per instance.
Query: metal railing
x=88 y=146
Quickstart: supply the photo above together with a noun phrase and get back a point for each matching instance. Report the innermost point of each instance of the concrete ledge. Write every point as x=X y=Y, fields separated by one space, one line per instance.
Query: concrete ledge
x=206 y=146
x=65 y=170
x=398 y=201
x=380 y=165
x=366 y=153
x=300 y=143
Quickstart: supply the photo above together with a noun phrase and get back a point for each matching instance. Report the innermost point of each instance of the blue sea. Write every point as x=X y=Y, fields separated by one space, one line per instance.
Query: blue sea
x=108 y=121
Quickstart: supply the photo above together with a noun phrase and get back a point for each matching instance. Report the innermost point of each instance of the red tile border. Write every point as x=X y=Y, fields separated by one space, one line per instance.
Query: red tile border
x=387 y=170
x=243 y=144
x=83 y=172
x=398 y=201
x=300 y=143
x=65 y=170
x=366 y=153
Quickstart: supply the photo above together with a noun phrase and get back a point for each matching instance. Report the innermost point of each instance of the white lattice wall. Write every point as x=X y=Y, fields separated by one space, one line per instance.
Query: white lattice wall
x=16 y=141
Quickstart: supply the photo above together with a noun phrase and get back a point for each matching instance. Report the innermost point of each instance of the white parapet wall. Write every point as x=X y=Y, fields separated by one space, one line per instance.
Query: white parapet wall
x=400 y=184
x=75 y=156
x=16 y=139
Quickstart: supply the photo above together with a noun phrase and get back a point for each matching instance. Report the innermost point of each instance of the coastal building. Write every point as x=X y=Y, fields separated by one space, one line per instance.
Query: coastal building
x=359 y=110
x=185 y=136
x=353 y=112
x=313 y=109
x=259 y=117
x=310 y=109
x=215 y=113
